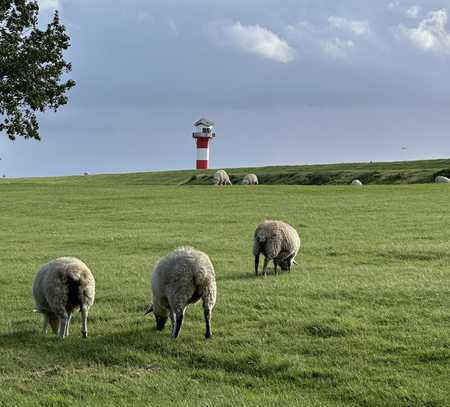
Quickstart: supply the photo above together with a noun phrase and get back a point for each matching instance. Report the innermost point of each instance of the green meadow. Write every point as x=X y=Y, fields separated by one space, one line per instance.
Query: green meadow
x=362 y=320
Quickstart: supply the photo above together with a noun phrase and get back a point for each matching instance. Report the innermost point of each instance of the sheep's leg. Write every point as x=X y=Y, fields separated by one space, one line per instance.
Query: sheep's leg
x=290 y=261
x=66 y=331
x=275 y=264
x=84 y=315
x=207 y=314
x=179 y=315
x=289 y=264
x=256 y=264
x=172 y=319
x=45 y=324
x=266 y=262
x=62 y=325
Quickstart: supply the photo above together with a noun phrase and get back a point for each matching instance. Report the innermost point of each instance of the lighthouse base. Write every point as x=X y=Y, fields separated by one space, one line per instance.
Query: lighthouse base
x=202 y=141
x=202 y=164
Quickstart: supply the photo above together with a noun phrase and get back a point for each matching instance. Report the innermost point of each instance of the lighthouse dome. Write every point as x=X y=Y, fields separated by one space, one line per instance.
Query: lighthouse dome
x=203 y=121
x=204 y=126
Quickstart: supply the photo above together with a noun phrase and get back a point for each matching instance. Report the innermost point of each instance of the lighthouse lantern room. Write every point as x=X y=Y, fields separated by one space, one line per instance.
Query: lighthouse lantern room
x=203 y=134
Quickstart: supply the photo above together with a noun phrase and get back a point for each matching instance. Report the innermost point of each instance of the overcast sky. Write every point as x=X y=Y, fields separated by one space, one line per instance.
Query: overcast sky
x=286 y=82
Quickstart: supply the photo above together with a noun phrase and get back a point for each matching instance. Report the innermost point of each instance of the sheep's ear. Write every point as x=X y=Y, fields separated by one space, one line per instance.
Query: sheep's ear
x=149 y=309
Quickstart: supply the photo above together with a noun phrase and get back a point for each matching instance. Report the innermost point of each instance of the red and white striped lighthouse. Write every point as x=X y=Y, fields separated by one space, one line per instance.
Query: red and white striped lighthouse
x=203 y=135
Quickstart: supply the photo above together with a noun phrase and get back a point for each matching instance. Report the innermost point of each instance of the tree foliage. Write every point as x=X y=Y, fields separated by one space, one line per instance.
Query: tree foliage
x=31 y=67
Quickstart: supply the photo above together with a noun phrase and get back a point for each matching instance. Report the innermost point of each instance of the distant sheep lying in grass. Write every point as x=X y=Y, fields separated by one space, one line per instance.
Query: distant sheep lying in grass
x=442 y=180
x=179 y=279
x=277 y=241
x=250 y=179
x=221 y=178
x=59 y=288
x=357 y=183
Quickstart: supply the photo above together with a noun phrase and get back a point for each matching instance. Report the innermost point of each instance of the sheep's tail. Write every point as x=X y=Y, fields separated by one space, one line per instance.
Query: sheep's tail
x=79 y=293
x=74 y=291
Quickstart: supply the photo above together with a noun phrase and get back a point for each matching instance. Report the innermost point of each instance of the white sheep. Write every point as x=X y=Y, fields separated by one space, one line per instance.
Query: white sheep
x=442 y=180
x=179 y=279
x=277 y=241
x=250 y=179
x=357 y=183
x=60 y=287
x=221 y=178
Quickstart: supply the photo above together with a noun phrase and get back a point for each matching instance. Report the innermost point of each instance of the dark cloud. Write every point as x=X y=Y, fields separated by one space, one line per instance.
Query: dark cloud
x=147 y=70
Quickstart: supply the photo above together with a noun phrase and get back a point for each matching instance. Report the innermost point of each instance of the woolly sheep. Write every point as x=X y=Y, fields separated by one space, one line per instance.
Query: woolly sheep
x=250 y=179
x=277 y=241
x=221 y=178
x=357 y=182
x=60 y=287
x=179 y=279
x=442 y=180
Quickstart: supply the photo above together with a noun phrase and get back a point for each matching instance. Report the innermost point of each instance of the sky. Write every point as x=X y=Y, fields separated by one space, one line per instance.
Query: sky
x=286 y=82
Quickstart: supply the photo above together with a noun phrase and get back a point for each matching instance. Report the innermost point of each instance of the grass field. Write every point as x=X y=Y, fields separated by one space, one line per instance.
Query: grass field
x=363 y=319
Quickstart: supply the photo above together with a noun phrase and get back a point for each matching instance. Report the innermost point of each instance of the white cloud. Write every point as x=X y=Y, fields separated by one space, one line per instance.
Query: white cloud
x=358 y=27
x=413 y=12
x=311 y=40
x=255 y=39
x=393 y=5
x=337 y=48
x=49 y=4
x=431 y=34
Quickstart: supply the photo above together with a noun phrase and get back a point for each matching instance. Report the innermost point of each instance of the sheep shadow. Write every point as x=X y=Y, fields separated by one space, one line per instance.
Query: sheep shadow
x=18 y=339
x=143 y=350
x=252 y=276
x=113 y=349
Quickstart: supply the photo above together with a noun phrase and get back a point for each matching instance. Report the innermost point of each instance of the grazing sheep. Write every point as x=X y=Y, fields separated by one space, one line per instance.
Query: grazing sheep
x=277 y=241
x=357 y=183
x=59 y=288
x=250 y=179
x=442 y=180
x=179 y=279
x=221 y=178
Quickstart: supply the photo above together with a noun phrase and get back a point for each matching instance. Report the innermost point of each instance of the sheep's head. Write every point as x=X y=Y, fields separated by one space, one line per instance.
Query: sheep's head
x=161 y=316
x=284 y=264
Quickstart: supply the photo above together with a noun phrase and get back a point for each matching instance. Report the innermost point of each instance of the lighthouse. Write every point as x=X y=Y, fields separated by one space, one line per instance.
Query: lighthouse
x=203 y=135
